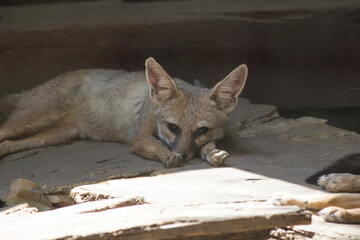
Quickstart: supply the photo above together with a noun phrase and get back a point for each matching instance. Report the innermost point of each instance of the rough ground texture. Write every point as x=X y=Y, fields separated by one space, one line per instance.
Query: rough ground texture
x=260 y=142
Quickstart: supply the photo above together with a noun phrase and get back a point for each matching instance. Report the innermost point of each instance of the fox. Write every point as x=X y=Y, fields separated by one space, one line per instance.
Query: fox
x=163 y=119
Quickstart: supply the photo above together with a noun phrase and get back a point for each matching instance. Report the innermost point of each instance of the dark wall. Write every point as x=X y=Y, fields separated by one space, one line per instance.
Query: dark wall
x=297 y=58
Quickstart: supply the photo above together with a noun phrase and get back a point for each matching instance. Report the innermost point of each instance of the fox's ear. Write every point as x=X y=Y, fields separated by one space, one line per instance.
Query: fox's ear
x=226 y=92
x=162 y=86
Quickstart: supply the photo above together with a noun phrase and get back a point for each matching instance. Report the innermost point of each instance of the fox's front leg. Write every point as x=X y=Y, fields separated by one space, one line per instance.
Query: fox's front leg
x=152 y=148
x=214 y=156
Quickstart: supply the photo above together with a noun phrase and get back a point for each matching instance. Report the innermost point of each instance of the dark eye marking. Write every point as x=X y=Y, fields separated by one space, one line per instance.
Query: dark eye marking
x=201 y=131
x=173 y=128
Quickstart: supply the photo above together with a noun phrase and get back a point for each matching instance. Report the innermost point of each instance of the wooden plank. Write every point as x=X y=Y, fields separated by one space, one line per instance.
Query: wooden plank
x=194 y=203
x=17 y=212
x=150 y=221
x=193 y=185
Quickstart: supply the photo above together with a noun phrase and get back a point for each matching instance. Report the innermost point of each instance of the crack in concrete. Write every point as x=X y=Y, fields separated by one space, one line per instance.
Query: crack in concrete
x=32 y=153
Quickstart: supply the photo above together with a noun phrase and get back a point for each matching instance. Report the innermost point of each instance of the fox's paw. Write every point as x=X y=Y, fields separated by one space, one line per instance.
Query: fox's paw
x=280 y=198
x=217 y=157
x=333 y=214
x=288 y=199
x=172 y=160
x=339 y=182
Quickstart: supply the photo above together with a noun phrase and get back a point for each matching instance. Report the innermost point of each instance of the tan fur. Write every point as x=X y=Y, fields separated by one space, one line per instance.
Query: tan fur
x=339 y=207
x=108 y=105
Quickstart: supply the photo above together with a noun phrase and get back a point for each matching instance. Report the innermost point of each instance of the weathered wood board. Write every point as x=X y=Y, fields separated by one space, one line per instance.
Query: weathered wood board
x=203 y=202
x=150 y=221
x=193 y=186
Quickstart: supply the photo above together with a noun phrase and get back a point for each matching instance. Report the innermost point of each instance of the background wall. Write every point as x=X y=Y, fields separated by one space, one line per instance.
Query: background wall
x=303 y=56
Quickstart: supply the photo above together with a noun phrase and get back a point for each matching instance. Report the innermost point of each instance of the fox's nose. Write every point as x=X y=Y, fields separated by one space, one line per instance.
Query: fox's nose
x=183 y=156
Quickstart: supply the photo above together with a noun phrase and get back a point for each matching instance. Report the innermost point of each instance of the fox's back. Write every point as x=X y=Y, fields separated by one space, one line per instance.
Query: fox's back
x=107 y=102
x=102 y=104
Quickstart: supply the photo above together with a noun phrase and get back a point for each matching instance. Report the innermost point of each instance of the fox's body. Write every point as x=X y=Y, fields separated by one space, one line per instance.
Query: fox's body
x=115 y=105
x=99 y=104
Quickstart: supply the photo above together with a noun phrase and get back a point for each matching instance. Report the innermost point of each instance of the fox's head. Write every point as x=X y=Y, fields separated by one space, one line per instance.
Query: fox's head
x=188 y=117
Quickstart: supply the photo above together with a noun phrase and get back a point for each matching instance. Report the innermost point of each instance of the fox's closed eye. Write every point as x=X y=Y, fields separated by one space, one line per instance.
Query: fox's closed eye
x=173 y=128
x=201 y=131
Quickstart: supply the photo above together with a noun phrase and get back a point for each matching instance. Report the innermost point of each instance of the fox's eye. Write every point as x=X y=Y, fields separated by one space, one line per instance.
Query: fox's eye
x=201 y=131
x=173 y=128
